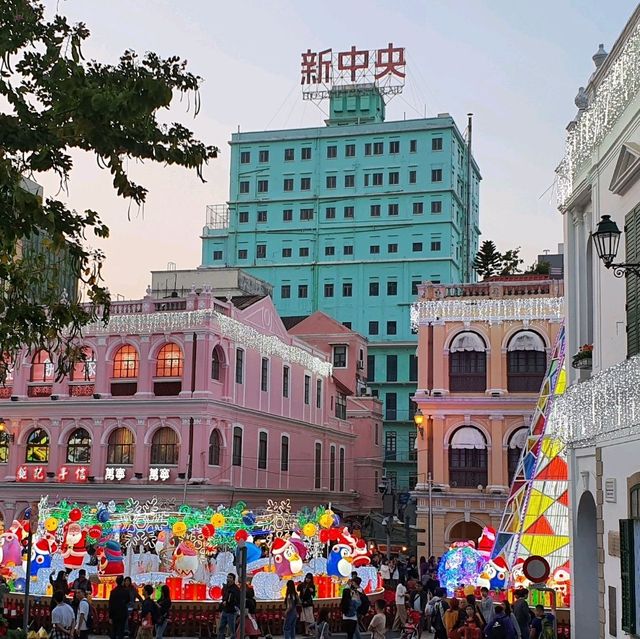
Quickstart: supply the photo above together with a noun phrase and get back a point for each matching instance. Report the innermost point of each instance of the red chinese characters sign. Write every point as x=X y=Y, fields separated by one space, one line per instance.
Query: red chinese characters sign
x=323 y=70
x=65 y=474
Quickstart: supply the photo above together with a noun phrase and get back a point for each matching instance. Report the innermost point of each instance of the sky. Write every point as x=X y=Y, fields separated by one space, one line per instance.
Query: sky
x=516 y=66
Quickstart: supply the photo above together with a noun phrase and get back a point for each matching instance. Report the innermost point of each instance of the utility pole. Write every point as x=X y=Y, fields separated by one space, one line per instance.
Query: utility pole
x=32 y=515
x=242 y=570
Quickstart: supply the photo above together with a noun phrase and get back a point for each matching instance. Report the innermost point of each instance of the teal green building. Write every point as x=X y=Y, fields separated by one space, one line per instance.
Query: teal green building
x=349 y=218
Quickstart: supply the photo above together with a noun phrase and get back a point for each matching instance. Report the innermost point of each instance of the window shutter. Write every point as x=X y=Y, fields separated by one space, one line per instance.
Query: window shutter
x=627 y=575
x=632 y=256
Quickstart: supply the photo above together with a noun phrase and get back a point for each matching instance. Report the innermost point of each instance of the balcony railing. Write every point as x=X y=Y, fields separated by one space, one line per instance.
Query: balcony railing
x=401 y=456
x=217 y=216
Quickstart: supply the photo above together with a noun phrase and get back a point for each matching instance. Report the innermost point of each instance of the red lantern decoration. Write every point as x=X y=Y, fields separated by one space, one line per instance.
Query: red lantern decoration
x=208 y=531
x=95 y=532
x=241 y=535
x=75 y=514
x=324 y=536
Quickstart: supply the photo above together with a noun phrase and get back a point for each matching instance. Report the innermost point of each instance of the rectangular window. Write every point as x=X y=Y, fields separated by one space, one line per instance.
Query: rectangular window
x=394 y=147
x=285 y=291
x=413 y=177
x=237 y=447
x=349 y=181
x=305 y=184
x=262 y=216
x=261 y=251
x=347 y=325
x=263 y=156
x=392 y=368
x=245 y=157
x=436 y=206
x=413 y=368
x=318 y=466
x=392 y=287
x=303 y=251
x=371 y=368
x=394 y=177
x=348 y=211
x=285 y=381
x=332 y=468
x=328 y=290
x=303 y=291
x=329 y=250
x=307 y=389
x=377 y=179
x=632 y=288
x=287 y=215
x=373 y=328
x=375 y=210
x=264 y=374
x=436 y=175
x=306 y=214
x=392 y=248
x=330 y=213
x=217 y=255
x=418 y=208
x=436 y=144
x=391 y=405
x=413 y=146
x=366 y=179
x=347 y=289
x=392 y=328
x=284 y=454
x=244 y=186
x=367 y=148
x=348 y=249
x=350 y=150
x=378 y=148
x=286 y=252
x=331 y=181
x=374 y=249
x=390 y=445
x=341 y=471
x=239 y=366
x=392 y=209
x=262 y=451
x=436 y=245
x=243 y=217
x=340 y=356
x=332 y=151
x=289 y=155
x=288 y=184
x=242 y=254
x=263 y=186
x=416 y=247
x=374 y=289
x=341 y=406
x=318 y=393
x=306 y=153
x=414 y=286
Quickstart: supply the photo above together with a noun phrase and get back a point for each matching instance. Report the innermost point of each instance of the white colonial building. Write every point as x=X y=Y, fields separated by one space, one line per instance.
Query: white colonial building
x=599 y=415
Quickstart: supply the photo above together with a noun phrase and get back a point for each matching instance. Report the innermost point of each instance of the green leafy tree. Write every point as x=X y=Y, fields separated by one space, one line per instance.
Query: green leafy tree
x=511 y=261
x=53 y=103
x=488 y=260
x=539 y=268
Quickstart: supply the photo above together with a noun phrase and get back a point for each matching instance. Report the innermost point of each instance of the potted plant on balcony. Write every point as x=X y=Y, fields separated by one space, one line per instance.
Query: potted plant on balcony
x=583 y=358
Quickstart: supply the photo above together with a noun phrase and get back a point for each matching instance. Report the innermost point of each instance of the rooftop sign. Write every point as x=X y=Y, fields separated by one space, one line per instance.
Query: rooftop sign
x=322 y=71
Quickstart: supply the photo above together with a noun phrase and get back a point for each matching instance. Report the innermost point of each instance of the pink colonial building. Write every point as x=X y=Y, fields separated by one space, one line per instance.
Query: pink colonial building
x=215 y=398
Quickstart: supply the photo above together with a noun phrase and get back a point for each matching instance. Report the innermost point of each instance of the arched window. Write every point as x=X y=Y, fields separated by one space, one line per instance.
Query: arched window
x=126 y=362
x=164 y=446
x=79 y=447
x=237 y=446
x=37 y=447
x=467 y=458
x=215 y=446
x=517 y=442
x=121 y=447
x=467 y=363
x=217 y=359
x=634 y=502
x=170 y=361
x=526 y=362
x=41 y=367
x=85 y=370
x=4 y=447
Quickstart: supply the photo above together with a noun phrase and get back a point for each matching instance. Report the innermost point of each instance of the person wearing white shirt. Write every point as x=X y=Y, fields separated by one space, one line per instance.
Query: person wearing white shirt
x=401 y=610
x=62 y=617
x=82 y=615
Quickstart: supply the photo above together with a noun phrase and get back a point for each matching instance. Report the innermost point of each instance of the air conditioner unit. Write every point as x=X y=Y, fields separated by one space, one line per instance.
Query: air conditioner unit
x=360 y=365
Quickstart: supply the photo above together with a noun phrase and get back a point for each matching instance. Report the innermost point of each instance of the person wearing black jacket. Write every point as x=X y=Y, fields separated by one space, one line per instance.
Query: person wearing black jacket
x=229 y=606
x=119 y=609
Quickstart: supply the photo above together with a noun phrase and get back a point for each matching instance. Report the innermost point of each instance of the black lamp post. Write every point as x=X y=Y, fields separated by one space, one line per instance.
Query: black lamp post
x=607 y=240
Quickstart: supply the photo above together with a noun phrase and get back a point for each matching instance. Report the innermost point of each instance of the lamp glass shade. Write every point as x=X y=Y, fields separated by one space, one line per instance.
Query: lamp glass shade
x=418 y=418
x=607 y=239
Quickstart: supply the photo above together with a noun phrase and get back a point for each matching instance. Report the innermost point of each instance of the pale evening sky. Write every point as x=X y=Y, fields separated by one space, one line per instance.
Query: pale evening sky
x=516 y=65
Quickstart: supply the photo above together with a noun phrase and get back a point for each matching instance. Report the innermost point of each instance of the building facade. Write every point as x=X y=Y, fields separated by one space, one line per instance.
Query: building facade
x=348 y=219
x=482 y=352
x=190 y=396
x=598 y=414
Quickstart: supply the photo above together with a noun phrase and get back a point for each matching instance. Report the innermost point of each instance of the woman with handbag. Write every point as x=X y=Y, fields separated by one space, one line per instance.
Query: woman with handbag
x=307 y=590
x=149 y=614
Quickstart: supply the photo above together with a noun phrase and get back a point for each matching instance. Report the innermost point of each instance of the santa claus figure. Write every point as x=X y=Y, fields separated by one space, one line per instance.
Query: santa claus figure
x=288 y=555
x=41 y=554
x=74 y=546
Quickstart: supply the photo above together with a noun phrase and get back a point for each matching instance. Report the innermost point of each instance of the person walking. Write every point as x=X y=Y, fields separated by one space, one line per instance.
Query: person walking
x=473 y=624
x=436 y=609
x=453 y=618
x=119 y=609
x=134 y=598
x=290 y=610
x=164 y=607
x=148 y=614
x=401 y=607
x=378 y=623
x=485 y=605
x=385 y=573
x=60 y=583
x=307 y=591
x=522 y=612
x=542 y=625
x=62 y=617
x=229 y=606
x=500 y=626
x=82 y=616
x=349 y=607
x=509 y=612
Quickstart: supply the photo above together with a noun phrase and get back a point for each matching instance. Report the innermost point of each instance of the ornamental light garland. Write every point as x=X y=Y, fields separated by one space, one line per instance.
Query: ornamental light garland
x=612 y=96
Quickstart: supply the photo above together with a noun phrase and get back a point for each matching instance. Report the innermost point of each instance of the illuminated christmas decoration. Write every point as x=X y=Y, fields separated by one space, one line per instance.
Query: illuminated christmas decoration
x=459 y=566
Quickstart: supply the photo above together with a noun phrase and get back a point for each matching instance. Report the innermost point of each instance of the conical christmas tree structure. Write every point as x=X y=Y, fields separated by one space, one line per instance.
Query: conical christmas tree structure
x=536 y=517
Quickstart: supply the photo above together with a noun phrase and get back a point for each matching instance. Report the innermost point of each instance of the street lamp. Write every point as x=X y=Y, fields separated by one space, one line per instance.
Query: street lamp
x=607 y=240
x=418 y=419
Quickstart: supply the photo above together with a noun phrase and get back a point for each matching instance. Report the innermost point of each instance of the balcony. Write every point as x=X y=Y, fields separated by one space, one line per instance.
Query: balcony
x=217 y=217
x=5 y=392
x=401 y=457
x=399 y=415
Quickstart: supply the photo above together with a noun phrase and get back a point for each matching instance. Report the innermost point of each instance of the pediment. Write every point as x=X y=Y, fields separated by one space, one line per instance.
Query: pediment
x=627 y=168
